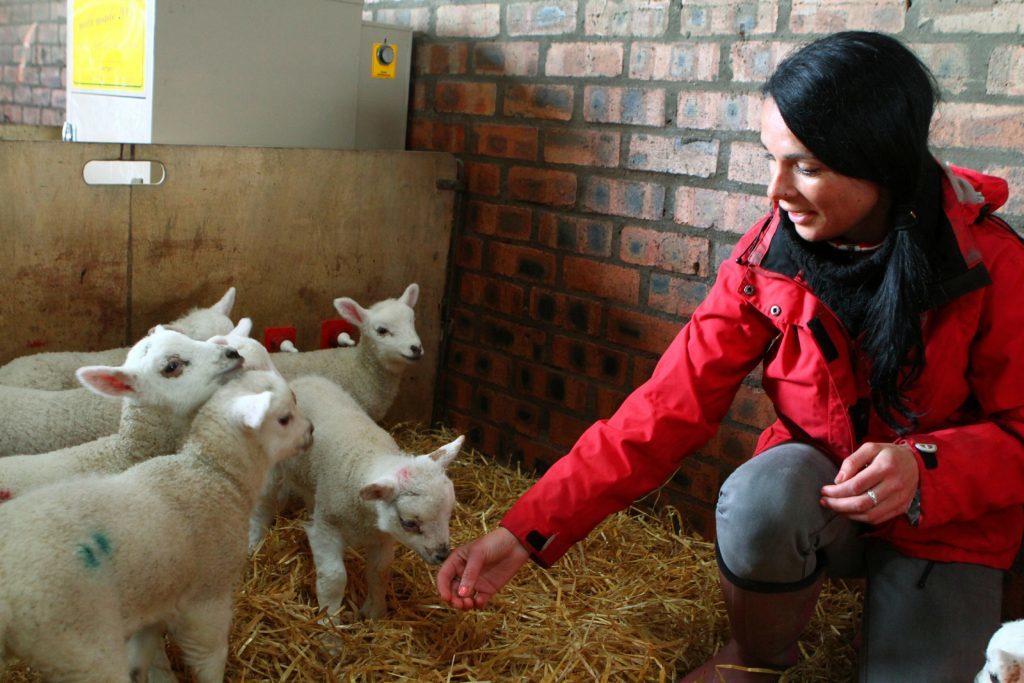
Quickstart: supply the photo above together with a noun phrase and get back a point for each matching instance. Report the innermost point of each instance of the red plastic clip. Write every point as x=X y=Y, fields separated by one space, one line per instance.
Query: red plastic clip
x=273 y=336
x=330 y=329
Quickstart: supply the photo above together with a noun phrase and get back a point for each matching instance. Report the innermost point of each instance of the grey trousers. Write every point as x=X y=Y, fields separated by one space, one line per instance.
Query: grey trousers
x=926 y=622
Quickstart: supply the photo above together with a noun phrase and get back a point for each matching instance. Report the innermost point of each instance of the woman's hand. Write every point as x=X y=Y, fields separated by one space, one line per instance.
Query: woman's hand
x=875 y=484
x=474 y=572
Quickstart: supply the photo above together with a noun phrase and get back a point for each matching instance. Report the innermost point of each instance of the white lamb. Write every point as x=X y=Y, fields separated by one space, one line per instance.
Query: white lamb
x=1004 y=657
x=372 y=370
x=162 y=383
x=100 y=557
x=56 y=369
x=362 y=491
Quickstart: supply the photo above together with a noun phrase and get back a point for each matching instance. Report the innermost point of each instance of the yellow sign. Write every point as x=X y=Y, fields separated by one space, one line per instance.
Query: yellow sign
x=385 y=56
x=109 y=51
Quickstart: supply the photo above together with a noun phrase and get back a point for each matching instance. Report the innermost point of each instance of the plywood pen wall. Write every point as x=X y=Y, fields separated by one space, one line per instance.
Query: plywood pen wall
x=90 y=267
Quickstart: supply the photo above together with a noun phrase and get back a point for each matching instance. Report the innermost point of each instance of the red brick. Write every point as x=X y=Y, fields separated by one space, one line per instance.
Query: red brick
x=625 y=198
x=584 y=60
x=731 y=446
x=601 y=279
x=984 y=16
x=608 y=401
x=509 y=142
x=1004 y=70
x=534 y=455
x=951 y=64
x=465 y=98
x=582 y=147
x=979 y=125
x=553 y=102
x=551 y=17
x=439 y=59
x=643 y=368
x=480 y=436
x=822 y=16
x=665 y=250
x=477 y=363
x=677 y=296
x=417 y=19
x=464 y=324
x=628 y=18
x=470 y=21
x=513 y=222
x=674 y=61
x=673 y=154
x=590 y=359
x=483 y=178
x=714 y=17
x=718 y=111
x=752 y=407
x=718 y=210
x=640 y=331
x=522 y=262
x=542 y=186
x=418 y=100
x=436 y=136
x=748 y=163
x=469 y=252
x=633 y=106
x=513 y=338
x=1014 y=176
x=507 y=59
x=698 y=479
x=698 y=519
x=503 y=409
x=543 y=383
x=458 y=393
x=575 y=234
x=567 y=312
x=755 y=60
x=564 y=430
x=496 y=295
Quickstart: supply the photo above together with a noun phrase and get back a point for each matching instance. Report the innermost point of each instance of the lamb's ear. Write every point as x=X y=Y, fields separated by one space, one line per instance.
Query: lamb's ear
x=411 y=295
x=106 y=380
x=350 y=311
x=226 y=303
x=445 y=454
x=242 y=329
x=250 y=409
x=383 y=489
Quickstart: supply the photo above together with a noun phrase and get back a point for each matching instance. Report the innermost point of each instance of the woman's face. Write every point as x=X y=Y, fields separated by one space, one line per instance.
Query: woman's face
x=823 y=204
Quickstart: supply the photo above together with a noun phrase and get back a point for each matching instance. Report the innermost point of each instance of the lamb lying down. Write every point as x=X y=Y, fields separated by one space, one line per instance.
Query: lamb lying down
x=56 y=369
x=101 y=557
x=162 y=383
x=1004 y=657
x=362 y=491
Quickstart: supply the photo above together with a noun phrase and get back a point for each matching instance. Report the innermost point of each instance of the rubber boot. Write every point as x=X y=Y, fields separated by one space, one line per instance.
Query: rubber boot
x=765 y=629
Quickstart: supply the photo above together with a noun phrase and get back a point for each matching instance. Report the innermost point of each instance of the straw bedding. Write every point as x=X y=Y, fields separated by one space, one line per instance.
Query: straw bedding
x=636 y=601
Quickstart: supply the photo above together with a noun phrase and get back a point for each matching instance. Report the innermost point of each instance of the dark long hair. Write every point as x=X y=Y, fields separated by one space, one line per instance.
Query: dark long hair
x=862 y=103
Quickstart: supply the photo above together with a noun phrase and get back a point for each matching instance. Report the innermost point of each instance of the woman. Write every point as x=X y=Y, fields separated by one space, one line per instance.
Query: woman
x=876 y=297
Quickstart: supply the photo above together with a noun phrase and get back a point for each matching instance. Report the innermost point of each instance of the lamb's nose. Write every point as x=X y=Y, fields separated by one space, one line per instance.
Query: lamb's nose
x=232 y=353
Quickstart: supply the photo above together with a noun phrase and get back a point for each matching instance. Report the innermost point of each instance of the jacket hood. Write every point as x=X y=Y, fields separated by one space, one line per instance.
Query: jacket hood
x=980 y=194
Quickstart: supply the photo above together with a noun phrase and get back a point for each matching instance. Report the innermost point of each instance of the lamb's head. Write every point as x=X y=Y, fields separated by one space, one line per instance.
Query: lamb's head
x=165 y=368
x=263 y=405
x=254 y=354
x=1004 y=657
x=389 y=326
x=203 y=323
x=415 y=502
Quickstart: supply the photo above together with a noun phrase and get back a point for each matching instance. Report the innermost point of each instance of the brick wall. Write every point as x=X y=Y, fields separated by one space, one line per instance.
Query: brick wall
x=612 y=160
x=32 y=57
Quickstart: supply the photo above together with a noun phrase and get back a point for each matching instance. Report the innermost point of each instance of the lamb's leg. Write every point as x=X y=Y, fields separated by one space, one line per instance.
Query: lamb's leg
x=378 y=572
x=265 y=510
x=96 y=657
x=148 y=657
x=328 y=555
x=202 y=630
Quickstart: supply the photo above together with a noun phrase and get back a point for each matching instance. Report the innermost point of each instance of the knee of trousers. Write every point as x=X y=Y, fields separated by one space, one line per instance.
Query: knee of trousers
x=769 y=519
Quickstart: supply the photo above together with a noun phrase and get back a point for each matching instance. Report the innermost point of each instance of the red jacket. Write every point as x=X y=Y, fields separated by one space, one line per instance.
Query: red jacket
x=970 y=394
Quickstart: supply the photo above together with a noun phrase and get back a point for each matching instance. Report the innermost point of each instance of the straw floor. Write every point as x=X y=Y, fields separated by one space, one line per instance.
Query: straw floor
x=636 y=601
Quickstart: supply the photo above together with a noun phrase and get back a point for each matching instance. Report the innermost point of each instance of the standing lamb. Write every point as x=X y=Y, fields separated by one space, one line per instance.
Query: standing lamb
x=372 y=370
x=56 y=369
x=100 y=557
x=164 y=380
x=362 y=491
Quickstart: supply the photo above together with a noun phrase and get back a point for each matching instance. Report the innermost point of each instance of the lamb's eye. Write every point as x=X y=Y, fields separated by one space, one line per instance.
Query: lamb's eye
x=383 y=331
x=283 y=421
x=174 y=368
x=411 y=525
